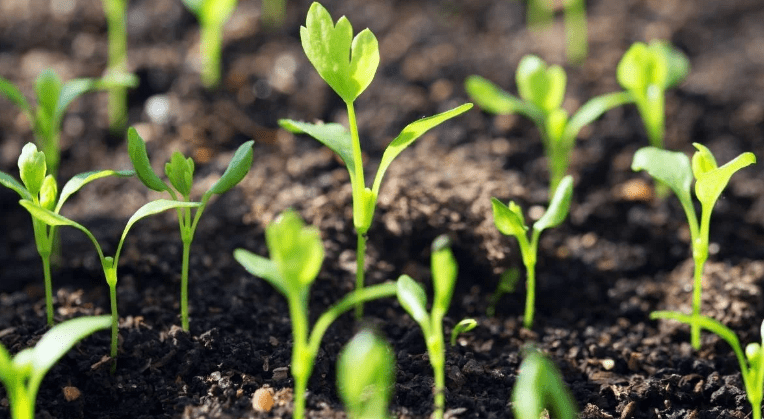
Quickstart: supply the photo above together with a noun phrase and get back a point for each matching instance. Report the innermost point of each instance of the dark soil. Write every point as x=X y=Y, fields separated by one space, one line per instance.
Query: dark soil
x=621 y=254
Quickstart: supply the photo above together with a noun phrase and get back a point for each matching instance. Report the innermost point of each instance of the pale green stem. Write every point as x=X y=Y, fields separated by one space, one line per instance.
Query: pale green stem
x=22 y=403
x=187 y=230
x=436 y=351
x=359 y=273
x=530 y=297
x=117 y=33
x=48 y=289
x=302 y=358
x=211 y=45
x=358 y=193
x=111 y=279
x=576 y=31
x=700 y=255
x=184 y=286
x=44 y=242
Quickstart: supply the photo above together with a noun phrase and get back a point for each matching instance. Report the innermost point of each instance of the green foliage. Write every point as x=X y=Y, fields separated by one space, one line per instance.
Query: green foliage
x=539 y=385
x=463 y=326
x=509 y=221
x=212 y=16
x=542 y=90
x=366 y=376
x=674 y=170
x=296 y=257
x=22 y=374
x=646 y=72
x=180 y=172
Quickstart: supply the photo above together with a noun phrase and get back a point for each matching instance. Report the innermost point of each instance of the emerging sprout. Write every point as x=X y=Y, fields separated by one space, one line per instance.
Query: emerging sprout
x=41 y=189
x=539 y=385
x=463 y=326
x=23 y=373
x=348 y=64
x=365 y=376
x=296 y=257
x=180 y=172
x=413 y=299
x=542 y=90
x=510 y=221
x=212 y=15
x=507 y=285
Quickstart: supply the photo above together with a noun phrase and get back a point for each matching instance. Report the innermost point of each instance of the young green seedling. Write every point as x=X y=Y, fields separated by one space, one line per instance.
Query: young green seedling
x=413 y=299
x=116 y=25
x=463 y=326
x=675 y=171
x=348 y=65
x=40 y=188
x=366 y=376
x=23 y=373
x=108 y=263
x=180 y=172
x=510 y=221
x=645 y=72
x=296 y=257
x=212 y=15
x=542 y=90
x=751 y=361
x=540 y=14
x=507 y=285
x=53 y=97
x=539 y=385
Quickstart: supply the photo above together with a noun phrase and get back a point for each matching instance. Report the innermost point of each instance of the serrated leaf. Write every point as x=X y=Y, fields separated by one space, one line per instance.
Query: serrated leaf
x=296 y=249
x=10 y=91
x=79 y=180
x=49 y=217
x=237 y=168
x=9 y=182
x=409 y=134
x=180 y=171
x=710 y=184
x=413 y=299
x=670 y=167
x=676 y=64
x=136 y=148
x=506 y=220
x=558 y=206
x=333 y=135
x=32 y=168
x=262 y=268
x=444 y=272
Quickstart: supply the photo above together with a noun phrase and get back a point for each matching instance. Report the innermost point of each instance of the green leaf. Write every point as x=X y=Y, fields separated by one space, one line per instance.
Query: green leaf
x=296 y=249
x=670 y=167
x=412 y=131
x=710 y=184
x=363 y=213
x=633 y=69
x=154 y=207
x=558 y=206
x=216 y=12
x=545 y=87
x=180 y=171
x=7 y=373
x=507 y=221
x=413 y=299
x=348 y=67
x=539 y=384
x=49 y=217
x=463 y=326
x=555 y=125
x=262 y=268
x=702 y=161
x=676 y=63
x=78 y=181
x=236 y=170
x=9 y=182
x=333 y=135
x=10 y=91
x=32 y=168
x=591 y=110
x=69 y=91
x=48 y=89
x=493 y=99
x=136 y=148
x=49 y=192
x=365 y=376
x=444 y=272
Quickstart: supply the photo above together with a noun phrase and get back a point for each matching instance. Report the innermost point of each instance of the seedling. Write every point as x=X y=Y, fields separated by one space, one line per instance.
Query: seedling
x=23 y=374
x=180 y=172
x=463 y=326
x=542 y=89
x=539 y=386
x=212 y=15
x=366 y=376
x=751 y=361
x=507 y=285
x=348 y=65
x=108 y=263
x=510 y=221
x=53 y=97
x=646 y=71
x=42 y=189
x=116 y=24
x=675 y=171
x=413 y=299
x=296 y=257
x=540 y=14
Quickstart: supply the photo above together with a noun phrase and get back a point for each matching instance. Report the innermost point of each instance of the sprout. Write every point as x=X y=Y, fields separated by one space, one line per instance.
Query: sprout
x=212 y=15
x=539 y=385
x=116 y=24
x=365 y=376
x=463 y=326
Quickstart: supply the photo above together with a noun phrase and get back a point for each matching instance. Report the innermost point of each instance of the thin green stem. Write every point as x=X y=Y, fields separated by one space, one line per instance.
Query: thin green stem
x=187 y=230
x=211 y=45
x=22 y=403
x=359 y=273
x=48 y=289
x=184 y=286
x=436 y=350
x=44 y=241
x=302 y=357
x=530 y=297
x=700 y=255
x=361 y=220
x=117 y=60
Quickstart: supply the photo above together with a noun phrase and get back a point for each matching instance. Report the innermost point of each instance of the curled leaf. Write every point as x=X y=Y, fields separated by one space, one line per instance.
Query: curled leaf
x=180 y=171
x=544 y=86
x=32 y=168
x=296 y=249
x=136 y=148
x=49 y=193
x=558 y=206
x=237 y=168
x=508 y=221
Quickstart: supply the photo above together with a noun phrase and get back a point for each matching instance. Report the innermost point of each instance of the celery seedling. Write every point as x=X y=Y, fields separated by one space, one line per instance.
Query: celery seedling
x=539 y=385
x=463 y=326
x=53 y=97
x=542 y=90
x=42 y=189
x=296 y=257
x=212 y=15
x=510 y=221
x=108 y=263
x=507 y=285
x=751 y=361
x=366 y=376
x=348 y=65
x=675 y=171
x=180 y=172
x=413 y=299
x=646 y=71
x=23 y=374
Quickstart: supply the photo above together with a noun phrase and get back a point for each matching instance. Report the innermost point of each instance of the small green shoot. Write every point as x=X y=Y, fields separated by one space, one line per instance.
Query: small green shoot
x=751 y=361
x=348 y=64
x=539 y=385
x=23 y=374
x=507 y=285
x=296 y=257
x=463 y=326
x=413 y=299
x=542 y=90
x=116 y=24
x=53 y=97
x=42 y=189
x=646 y=72
x=675 y=171
x=180 y=172
x=366 y=376
x=108 y=263
x=212 y=16
x=510 y=221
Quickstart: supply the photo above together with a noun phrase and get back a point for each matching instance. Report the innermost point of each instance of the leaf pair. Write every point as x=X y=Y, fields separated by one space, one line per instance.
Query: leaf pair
x=656 y=66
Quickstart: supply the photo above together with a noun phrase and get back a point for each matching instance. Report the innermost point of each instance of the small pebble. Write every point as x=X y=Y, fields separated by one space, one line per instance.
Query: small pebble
x=262 y=400
x=71 y=393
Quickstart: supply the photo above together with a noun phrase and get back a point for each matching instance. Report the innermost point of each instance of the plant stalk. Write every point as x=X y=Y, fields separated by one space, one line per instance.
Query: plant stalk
x=117 y=33
x=359 y=204
x=210 y=43
x=184 y=286
x=359 y=273
x=48 y=289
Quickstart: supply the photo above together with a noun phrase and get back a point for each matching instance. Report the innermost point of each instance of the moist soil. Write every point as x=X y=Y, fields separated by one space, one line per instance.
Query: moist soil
x=621 y=254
